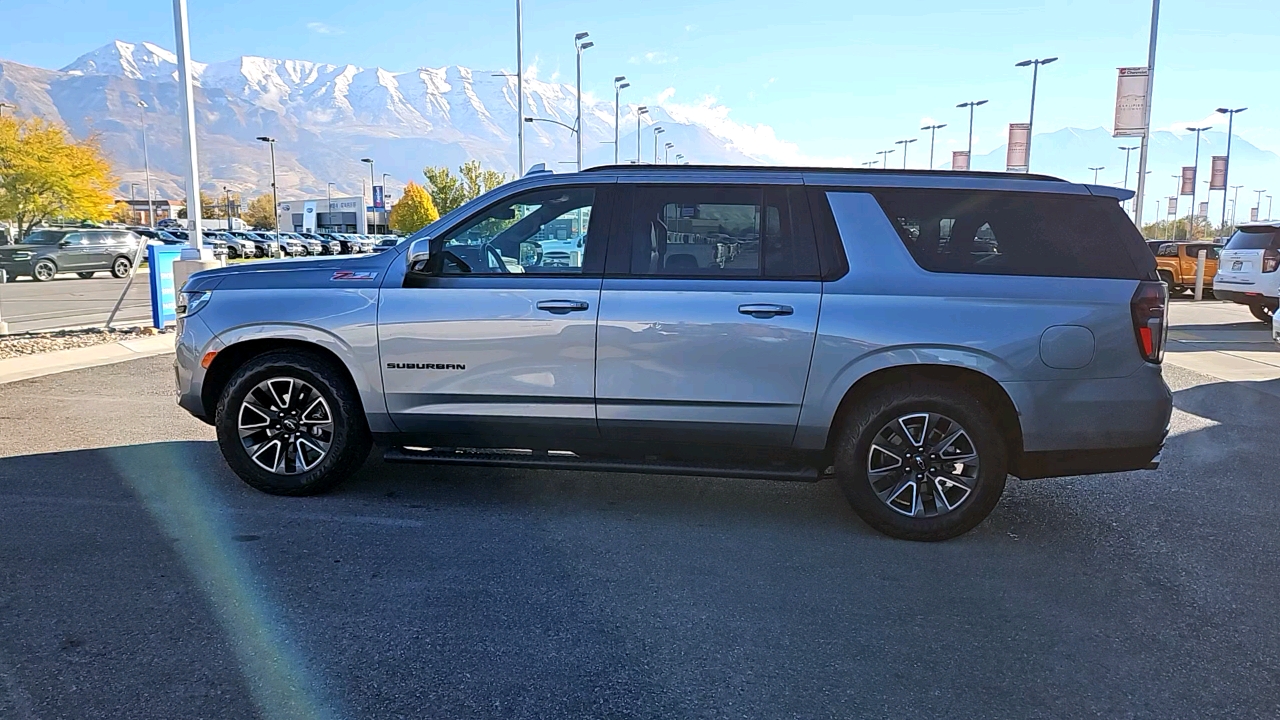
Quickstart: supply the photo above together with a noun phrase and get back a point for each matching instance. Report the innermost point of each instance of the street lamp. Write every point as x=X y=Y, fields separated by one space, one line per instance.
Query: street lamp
x=579 y=46
x=933 y=132
x=885 y=160
x=656 y=132
x=1258 y=206
x=1235 y=203
x=1231 y=118
x=971 y=105
x=870 y=164
x=4 y=105
x=904 y=144
x=1127 y=151
x=641 y=110
x=375 y=210
x=680 y=157
x=275 y=198
x=1195 y=170
x=666 y=153
x=1095 y=172
x=1035 y=75
x=618 y=84
x=329 y=196
x=1268 y=208
x=146 y=165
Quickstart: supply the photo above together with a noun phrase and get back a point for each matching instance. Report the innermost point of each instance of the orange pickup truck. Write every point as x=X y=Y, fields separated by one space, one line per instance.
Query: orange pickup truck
x=1176 y=263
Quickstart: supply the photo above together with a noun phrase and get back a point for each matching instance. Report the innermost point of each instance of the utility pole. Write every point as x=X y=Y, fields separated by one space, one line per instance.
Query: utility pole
x=1145 y=143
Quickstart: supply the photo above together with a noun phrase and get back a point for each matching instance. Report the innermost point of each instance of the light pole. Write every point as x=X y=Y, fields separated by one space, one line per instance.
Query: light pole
x=619 y=83
x=1095 y=172
x=4 y=105
x=971 y=105
x=1258 y=206
x=1146 y=119
x=1268 y=208
x=1191 y=216
x=933 y=132
x=884 y=160
x=572 y=131
x=904 y=144
x=519 y=84
x=1226 y=172
x=1235 y=204
x=579 y=46
x=146 y=165
x=1031 y=120
x=182 y=34
x=226 y=196
x=666 y=153
x=870 y=164
x=132 y=191
x=1128 y=150
x=641 y=110
x=369 y=161
x=275 y=198
x=329 y=196
x=657 y=130
x=680 y=157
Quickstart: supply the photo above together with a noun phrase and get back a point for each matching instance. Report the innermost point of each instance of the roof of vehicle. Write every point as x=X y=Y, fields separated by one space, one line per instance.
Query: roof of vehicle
x=793 y=169
x=1273 y=224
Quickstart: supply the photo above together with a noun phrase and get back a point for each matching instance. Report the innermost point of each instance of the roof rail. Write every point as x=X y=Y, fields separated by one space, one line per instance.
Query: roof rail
x=633 y=168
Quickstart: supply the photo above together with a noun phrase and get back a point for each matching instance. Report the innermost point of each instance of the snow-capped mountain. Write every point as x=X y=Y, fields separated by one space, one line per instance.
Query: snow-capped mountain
x=326 y=117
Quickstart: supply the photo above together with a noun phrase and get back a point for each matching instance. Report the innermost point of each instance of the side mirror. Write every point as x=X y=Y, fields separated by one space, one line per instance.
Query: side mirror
x=64 y=243
x=416 y=260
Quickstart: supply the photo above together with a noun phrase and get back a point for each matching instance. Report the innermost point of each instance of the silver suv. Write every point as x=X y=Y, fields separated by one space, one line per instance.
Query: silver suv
x=918 y=335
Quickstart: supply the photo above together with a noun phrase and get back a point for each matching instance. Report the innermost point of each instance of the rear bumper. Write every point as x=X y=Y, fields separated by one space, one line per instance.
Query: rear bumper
x=1246 y=298
x=1036 y=465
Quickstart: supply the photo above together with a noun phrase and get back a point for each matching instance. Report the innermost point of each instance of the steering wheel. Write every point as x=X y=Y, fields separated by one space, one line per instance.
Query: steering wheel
x=493 y=252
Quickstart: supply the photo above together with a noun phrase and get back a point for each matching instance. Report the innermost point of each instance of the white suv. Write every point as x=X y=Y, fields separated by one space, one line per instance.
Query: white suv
x=1247 y=269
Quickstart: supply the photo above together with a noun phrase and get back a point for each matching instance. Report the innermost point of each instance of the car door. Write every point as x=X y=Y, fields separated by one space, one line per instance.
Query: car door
x=707 y=336
x=497 y=346
x=75 y=252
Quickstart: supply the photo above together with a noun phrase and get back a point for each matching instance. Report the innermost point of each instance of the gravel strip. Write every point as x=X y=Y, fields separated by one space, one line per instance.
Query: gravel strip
x=12 y=346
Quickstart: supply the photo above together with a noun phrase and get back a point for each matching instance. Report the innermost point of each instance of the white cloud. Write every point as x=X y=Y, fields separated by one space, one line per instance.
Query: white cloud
x=757 y=141
x=320 y=28
x=690 y=28
x=653 y=58
x=665 y=95
x=1214 y=120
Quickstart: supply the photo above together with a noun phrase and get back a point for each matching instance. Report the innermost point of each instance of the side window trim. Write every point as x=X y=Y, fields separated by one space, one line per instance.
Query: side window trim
x=833 y=262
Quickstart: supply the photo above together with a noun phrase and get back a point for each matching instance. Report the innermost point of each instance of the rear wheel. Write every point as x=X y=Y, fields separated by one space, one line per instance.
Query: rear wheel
x=290 y=424
x=921 y=461
x=43 y=270
x=120 y=268
x=1262 y=312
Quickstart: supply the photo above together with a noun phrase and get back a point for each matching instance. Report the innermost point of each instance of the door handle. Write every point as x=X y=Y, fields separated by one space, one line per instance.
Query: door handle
x=765 y=310
x=560 y=307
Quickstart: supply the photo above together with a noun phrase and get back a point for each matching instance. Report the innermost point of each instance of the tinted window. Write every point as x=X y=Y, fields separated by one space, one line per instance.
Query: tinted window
x=544 y=231
x=1260 y=238
x=995 y=233
x=45 y=237
x=1167 y=250
x=700 y=231
x=1211 y=251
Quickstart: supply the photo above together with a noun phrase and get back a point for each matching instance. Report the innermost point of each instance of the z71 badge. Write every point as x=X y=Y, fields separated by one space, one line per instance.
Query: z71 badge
x=354 y=275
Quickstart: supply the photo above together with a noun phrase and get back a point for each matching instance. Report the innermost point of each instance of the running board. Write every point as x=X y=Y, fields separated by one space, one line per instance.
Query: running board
x=567 y=461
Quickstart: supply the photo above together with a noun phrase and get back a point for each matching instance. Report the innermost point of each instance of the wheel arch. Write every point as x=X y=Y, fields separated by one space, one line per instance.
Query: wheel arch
x=233 y=357
x=985 y=388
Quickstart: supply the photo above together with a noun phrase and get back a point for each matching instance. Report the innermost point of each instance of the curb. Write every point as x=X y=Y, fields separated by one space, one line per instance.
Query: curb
x=59 y=361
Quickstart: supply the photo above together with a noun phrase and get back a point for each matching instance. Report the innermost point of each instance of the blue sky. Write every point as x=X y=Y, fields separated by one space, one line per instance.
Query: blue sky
x=836 y=78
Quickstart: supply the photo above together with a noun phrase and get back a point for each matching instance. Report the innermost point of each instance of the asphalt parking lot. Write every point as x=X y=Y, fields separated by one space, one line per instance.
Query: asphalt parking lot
x=139 y=578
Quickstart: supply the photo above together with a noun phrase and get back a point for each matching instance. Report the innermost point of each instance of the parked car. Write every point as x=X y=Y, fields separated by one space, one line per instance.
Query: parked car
x=972 y=326
x=238 y=247
x=44 y=253
x=313 y=245
x=385 y=243
x=158 y=237
x=327 y=246
x=255 y=247
x=347 y=244
x=1176 y=264
x=211 y=240
x=1247 y=269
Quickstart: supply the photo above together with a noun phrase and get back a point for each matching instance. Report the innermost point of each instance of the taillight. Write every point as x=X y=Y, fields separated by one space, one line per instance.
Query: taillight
x=1270 y=260
x=1148 y=306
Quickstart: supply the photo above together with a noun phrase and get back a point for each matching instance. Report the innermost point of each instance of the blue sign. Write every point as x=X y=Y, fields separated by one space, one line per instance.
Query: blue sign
x=377 y=196
x=164 y=298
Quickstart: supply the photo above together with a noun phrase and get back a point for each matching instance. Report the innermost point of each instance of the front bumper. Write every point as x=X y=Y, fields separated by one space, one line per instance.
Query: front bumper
x=15 y=268
x=194 y=340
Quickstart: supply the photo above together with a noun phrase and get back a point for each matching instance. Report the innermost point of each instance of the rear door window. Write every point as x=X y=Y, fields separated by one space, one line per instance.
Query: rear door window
x=999 y=233
x=1261 y=238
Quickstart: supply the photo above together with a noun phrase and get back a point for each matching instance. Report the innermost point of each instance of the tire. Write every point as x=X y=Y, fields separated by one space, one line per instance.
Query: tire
x=120 y=268
x=84 y=275
x=347 y=432
x=1262 y=312
x=1167 y=278
x=232 y=253
x=43 y=270
x=957 y=507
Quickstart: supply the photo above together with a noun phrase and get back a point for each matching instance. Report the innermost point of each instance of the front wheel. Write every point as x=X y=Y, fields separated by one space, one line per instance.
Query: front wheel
x=120 y=268
x=921 y=461
x=44 y=270
x=290 y=424
x=1262 y=312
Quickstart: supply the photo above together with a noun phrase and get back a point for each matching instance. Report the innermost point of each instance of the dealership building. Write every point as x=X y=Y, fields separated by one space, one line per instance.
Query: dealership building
x=339 y=215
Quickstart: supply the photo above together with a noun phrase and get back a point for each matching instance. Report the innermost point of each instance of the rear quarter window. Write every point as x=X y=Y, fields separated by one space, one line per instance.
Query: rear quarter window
x=1255 y=239
x=1004 y=233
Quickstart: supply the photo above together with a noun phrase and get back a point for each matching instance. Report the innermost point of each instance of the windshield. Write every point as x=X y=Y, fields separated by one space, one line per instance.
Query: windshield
x=1258 y=238
x=45 y=237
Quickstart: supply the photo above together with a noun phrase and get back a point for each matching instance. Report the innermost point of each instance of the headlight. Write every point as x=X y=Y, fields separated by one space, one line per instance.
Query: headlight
x=189 y=303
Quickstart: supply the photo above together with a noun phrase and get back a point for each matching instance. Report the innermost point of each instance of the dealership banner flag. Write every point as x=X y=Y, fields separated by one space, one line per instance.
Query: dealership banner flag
x=959 y=160
x=1218 y=176
x=1253 y=214
x=1204 y=209
x=1131 y=103
x=1188 y=180
x=1173 y=206
x=1019 y=140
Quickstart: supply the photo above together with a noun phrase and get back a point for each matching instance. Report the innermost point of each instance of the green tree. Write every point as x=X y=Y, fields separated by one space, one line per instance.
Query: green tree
x=211 y=208
x=450 y=191
x=261 y=213
x=414 y=211
x=45 y=174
